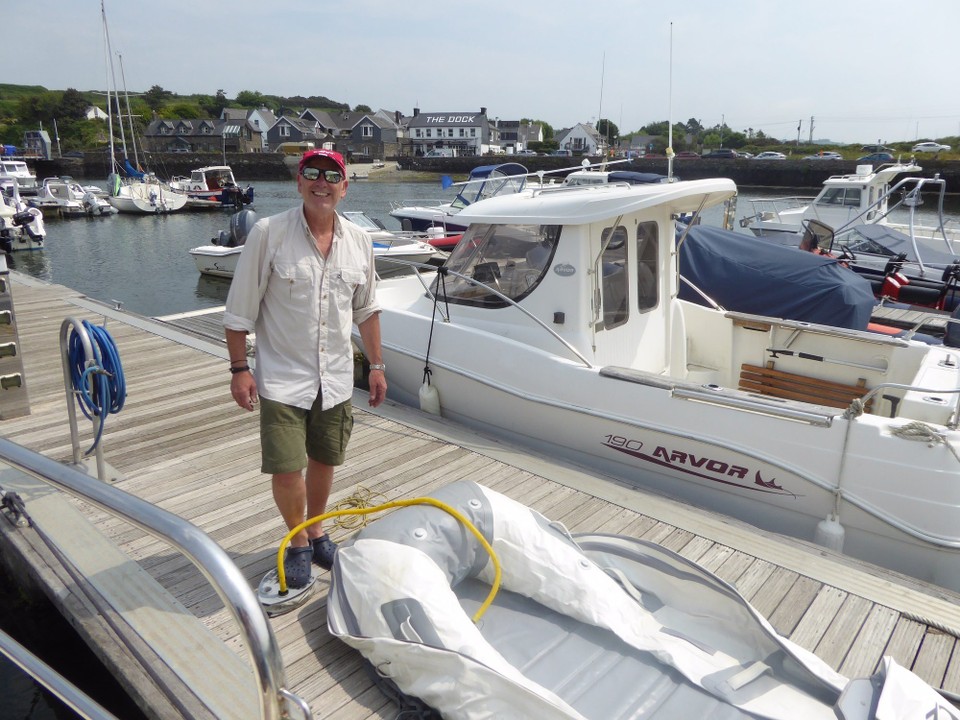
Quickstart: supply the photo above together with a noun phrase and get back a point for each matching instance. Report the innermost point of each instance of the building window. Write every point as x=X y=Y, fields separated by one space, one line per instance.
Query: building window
x=418 y=133
x=366 y=131
x=429 y=132
x=473 y=132
x=463 y=132
x=284 y=131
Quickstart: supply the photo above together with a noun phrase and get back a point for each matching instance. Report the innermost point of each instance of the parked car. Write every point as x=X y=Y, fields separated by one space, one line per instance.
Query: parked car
x=930 y=147
x=825 y=155
x=877 y=157
x=720 y=153
x=526 y=152
x=747 y=155
x=876 y=149
x=686 y=155
x=770 y=155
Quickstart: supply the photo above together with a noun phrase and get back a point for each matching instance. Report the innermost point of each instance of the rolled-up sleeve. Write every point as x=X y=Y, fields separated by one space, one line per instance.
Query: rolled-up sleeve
x=365 y=302
x=249 y=281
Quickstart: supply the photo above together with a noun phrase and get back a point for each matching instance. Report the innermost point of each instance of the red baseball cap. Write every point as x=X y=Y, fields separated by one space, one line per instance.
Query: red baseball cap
x=331 y=154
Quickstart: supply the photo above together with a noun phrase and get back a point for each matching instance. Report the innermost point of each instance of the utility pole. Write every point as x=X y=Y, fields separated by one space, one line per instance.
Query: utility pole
x=799 y=125
x=811 y=129
x=722 y=123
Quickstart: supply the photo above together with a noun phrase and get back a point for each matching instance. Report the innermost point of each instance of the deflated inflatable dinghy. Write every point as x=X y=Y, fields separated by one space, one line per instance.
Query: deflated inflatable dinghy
x=598 y=627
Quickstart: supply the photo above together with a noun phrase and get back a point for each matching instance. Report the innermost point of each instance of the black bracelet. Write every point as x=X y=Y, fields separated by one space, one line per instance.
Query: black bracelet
x=242 y=368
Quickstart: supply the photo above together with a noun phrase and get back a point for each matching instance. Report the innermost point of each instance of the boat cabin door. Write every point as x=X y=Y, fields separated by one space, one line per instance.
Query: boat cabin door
x=628 y=287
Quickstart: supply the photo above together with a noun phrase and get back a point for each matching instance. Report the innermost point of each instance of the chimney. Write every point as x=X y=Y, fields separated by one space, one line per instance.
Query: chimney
x=416 y=111
x=483 y=111
x=396 y=116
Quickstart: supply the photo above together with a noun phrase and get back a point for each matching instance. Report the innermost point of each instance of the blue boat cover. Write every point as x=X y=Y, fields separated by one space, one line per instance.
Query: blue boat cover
x=131 y=171
x=745 y=274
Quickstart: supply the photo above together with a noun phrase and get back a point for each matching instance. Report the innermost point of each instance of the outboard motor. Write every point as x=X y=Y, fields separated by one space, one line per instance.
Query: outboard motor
x=90 y=203
x=241 y=224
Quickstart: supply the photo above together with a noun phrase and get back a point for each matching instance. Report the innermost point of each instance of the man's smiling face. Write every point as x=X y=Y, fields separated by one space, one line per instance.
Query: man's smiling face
x=319 y=194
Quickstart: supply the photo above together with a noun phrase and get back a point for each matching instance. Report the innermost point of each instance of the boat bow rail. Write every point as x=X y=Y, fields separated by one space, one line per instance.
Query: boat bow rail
x=275 y=701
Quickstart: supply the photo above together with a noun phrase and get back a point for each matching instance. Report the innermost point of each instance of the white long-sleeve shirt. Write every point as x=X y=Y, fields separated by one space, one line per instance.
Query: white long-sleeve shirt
x=302 y=307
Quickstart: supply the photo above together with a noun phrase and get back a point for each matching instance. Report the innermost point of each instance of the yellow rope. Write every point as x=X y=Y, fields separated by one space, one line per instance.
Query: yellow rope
x=362 y=511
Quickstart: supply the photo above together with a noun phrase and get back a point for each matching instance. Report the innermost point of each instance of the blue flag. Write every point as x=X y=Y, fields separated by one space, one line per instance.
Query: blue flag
x=445 y=181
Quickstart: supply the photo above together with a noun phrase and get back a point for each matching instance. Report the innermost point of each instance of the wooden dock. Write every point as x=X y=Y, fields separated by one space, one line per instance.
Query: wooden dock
x=182 y=444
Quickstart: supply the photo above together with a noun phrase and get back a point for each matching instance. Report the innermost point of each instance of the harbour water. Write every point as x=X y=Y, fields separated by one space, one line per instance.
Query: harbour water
x=142 y=264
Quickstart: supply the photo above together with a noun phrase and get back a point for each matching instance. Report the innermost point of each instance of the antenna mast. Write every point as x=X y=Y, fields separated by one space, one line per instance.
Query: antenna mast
x=603 y=68
x=670 y=114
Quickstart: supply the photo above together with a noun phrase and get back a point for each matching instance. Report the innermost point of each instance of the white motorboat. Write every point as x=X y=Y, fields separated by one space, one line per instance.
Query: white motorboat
x=21 y=226
x=484 y=182
x=393 y=253
x=62 y=197
x=850 y=204
x=469 y=605
x=861 y=197
x=19 y=172
x=557 y=323
x=213 y=184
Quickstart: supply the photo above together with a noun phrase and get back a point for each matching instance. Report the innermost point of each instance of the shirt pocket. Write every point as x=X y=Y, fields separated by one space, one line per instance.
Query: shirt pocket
x=293 y=280
x=351 y=278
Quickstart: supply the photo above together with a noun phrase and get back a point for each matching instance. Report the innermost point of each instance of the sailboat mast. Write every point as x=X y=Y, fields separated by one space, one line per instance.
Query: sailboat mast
x=126 y=95
x=106 y=54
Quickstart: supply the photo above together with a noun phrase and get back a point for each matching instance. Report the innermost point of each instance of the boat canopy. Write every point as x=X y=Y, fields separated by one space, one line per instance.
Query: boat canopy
x=741 y=273
x=489 y=180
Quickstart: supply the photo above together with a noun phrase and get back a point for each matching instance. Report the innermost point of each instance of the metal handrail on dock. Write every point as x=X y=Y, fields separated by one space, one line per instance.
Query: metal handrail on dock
x=224 y=576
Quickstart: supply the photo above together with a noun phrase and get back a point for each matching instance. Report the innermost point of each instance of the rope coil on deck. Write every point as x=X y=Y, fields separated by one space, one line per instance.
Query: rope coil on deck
x=99 y=385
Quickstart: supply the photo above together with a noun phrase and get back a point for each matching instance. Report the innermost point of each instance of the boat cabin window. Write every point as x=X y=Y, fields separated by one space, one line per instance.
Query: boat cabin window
x=648 y=250
x=847 y=197
x=498 y=260
x=615 y=286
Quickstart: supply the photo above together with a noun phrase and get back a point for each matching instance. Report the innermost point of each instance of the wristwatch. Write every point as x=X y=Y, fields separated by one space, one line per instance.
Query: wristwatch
x=378 y=366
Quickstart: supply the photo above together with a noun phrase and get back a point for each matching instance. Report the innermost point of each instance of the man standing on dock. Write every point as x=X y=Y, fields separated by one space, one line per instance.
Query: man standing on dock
x=303 y=279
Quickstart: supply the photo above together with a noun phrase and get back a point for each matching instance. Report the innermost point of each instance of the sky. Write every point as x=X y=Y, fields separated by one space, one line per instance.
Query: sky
x=859 y=70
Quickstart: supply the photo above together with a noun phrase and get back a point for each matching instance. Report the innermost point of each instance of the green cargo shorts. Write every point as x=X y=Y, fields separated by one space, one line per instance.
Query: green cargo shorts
x=289 y=434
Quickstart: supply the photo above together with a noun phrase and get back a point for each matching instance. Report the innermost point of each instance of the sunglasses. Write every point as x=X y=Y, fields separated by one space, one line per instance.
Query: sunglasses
x=331 y=176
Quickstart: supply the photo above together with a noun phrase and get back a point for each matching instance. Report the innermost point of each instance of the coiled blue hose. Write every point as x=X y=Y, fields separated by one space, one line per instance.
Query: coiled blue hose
x=100 y=389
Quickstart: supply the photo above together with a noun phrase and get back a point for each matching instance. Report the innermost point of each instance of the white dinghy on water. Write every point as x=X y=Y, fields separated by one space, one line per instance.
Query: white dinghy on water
x=557 y=323
x=474 y=606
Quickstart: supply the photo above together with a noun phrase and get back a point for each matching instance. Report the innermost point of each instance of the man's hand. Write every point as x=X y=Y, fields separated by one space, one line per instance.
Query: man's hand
x=378 y=387
x=243 y=387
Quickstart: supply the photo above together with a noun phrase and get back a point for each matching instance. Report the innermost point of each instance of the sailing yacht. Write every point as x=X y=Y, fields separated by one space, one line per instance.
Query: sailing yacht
x=130 y=189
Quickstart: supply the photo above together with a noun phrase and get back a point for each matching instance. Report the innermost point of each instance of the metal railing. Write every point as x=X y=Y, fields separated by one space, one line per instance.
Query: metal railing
x=213 y=562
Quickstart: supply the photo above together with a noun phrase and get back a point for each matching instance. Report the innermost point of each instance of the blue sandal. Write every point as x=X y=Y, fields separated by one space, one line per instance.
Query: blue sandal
x=296 y=566
x=323 y=551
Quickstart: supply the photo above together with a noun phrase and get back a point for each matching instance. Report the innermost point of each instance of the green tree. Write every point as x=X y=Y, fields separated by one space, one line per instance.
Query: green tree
x=213 y=106
x=72 y=106
x=250 y=99
x=156 y=97
x=363 y=109
x=608 y=130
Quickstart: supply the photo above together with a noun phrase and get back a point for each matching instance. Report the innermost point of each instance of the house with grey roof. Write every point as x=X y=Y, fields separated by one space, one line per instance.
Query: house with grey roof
x=294 y=129
x=260 y=120
x=581 y=139
x=200 y=135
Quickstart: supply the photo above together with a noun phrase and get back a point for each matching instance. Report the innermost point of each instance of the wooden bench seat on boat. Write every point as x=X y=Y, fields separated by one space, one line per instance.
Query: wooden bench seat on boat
x=790 y=386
